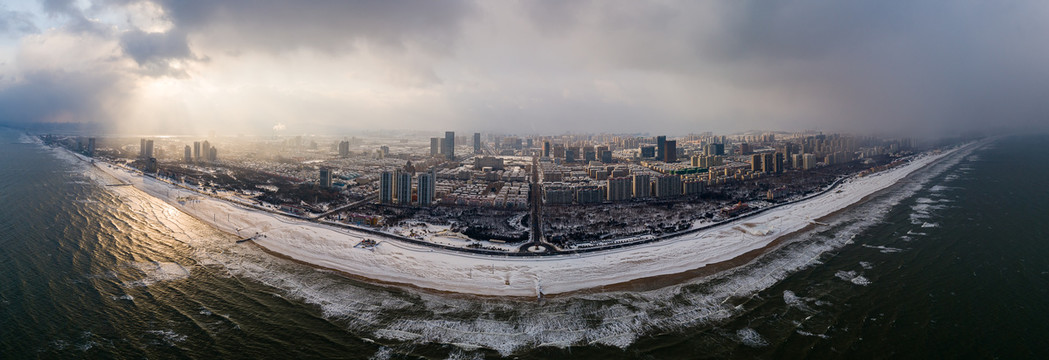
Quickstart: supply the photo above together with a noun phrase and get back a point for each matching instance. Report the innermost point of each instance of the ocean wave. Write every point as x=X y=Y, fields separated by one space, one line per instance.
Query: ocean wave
x=155 y=272
x=883 y=249
x=751 y=337
x=168 y=337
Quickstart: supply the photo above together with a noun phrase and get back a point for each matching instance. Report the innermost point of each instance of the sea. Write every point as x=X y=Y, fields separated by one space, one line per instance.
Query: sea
x=953 y=262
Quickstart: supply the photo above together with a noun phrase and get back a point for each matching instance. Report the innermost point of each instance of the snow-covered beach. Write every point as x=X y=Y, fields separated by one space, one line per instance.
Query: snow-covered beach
x=399 y=262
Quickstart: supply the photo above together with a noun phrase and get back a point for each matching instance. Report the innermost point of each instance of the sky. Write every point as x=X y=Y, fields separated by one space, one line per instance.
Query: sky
x=526 y=67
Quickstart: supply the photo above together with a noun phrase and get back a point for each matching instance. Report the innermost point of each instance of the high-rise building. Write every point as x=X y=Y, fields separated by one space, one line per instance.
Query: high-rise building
x=692 y=187
x=670 y=151
x=196 y=150
x=589 y=194
x=427 y=187
x=661 y=143
x=788 y=150
x=205 y=150
x=668 y=186
x=808 y=161
x=714 y=149
x=404 y=187
x=589 y=154
x=647 y=152
x=189 y=155
x=744 y=149
x=386 y=187
x=755 y=163
x=642 y=186
x=325 y=177
x=477 y=143
x=571 y=154
x=344 y=148
x=145 y=149
x=449 y=145
x=213 y=154
x=546 y=149
x=778 y=163
x=619 y=189
x=435 y=146
x=91 y=147
x=768 y=161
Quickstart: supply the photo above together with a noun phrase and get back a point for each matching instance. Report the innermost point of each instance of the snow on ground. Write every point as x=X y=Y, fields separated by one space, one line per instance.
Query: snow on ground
x=443 y=235
x=398 y=262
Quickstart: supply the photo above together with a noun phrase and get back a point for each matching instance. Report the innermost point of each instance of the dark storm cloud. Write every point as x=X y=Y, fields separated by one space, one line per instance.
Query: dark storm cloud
x=869 y=66
x=326 y=25
x=153 y=51
x=63 y=97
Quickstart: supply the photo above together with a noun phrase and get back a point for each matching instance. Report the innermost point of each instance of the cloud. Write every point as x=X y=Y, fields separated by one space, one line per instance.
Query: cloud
x=546 y=67
x=63 y=97
x=155 y=51
x=328 y=25
x=16 y=23
x=860 y=66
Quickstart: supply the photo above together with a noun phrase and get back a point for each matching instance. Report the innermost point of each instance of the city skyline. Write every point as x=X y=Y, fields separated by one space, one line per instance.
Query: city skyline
x=176 y=67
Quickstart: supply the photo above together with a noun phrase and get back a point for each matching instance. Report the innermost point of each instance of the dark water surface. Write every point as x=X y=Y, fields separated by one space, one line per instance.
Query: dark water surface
x=953 y=263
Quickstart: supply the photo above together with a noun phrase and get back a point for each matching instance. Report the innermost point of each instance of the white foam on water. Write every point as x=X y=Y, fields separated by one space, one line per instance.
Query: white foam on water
x=884 y=249
x=793 y=300
x=26 y=139
x=930 y=225
x=860 y=280
x=458 y=354
x=155 y=272
x=169 y=337
x=852 y=277
x=123 y=297
x=384 y=353
x=751 y=338
x=866 y=265
x=806 y=333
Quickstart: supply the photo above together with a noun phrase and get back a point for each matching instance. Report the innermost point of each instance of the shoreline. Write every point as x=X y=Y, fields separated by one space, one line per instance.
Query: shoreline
x=708 y=251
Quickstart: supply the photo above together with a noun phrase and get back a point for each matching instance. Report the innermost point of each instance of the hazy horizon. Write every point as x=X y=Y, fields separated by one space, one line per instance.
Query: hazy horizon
x=670 y=67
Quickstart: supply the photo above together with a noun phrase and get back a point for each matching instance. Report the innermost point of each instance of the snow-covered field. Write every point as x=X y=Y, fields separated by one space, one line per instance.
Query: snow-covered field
x=398 y=262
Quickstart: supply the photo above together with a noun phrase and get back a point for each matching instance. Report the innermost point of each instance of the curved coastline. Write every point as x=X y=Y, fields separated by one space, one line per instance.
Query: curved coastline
x=610 y=267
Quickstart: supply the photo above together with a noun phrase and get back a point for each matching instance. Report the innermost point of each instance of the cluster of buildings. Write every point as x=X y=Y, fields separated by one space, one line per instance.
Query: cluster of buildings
x=201 y=151
x=509 y=195
x=405 y=187
x=644 y=185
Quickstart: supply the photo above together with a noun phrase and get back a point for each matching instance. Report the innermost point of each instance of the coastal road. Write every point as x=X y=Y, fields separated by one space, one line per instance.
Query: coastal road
x=536 y=206
x=367 y=199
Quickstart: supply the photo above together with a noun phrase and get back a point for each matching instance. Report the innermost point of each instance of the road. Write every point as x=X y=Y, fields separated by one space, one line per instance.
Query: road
x=367 y=199
x=535 y=191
